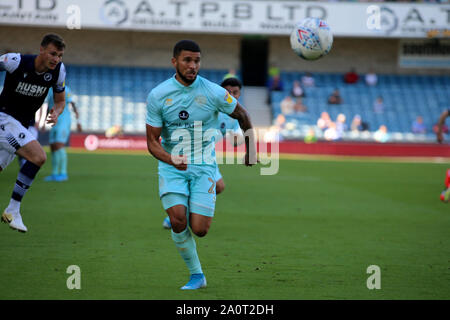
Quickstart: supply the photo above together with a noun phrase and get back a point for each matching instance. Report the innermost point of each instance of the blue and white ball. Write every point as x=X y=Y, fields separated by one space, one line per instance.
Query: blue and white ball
x=311 y=39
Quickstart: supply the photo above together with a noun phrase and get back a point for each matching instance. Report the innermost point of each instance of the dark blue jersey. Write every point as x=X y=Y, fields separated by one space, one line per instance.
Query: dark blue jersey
x=24 y=89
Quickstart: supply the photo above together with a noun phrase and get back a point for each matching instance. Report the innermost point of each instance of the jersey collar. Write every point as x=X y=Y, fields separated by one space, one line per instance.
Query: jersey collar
x=192 y=85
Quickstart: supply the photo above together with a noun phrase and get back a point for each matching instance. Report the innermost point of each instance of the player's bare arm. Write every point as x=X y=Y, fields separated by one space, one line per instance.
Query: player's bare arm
x=58 y=107
x=440 y=136
x=155 y=148
x=243 y=117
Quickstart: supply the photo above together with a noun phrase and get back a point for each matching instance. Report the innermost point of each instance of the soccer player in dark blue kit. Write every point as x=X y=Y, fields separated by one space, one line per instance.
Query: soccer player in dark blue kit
x=27 y=82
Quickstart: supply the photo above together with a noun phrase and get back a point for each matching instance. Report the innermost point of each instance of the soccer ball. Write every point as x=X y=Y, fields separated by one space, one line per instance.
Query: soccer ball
x=311 y=39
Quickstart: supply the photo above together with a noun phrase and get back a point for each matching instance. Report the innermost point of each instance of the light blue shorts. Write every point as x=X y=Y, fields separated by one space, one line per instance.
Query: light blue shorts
x=195 y=187
x=218 y=174
x=60 y=133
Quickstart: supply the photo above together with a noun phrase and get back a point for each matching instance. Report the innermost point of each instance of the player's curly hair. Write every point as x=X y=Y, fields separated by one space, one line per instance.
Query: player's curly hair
x=187 y=45
x=233 y=82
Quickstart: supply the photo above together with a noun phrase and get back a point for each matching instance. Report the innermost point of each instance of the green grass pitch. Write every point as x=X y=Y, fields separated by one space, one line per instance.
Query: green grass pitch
x=309 y=232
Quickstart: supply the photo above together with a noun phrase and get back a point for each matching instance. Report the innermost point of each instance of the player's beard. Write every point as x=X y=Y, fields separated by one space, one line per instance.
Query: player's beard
x=185 y=80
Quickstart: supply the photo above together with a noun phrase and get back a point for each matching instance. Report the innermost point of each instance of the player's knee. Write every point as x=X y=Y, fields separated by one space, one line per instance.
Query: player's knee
x=178 y=223
x=39 y=159
x=200 y=231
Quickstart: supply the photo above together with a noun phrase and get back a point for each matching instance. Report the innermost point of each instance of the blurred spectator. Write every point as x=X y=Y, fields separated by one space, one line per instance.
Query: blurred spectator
x=351 y=76
x=371 y=78
x=308 y=80
x=324 y=121
x=231 y=74
x=297 y=90
x=335 y=97
x=272 y=135
x=381 y=135
x=378 y=105
x=310 y=136
x=280 y=121
x=341 y=125
x=299 y=106
x=418 y=126
x=287 y=105
x=275 y=83
x=358 y=124
x=273 y=71
x=332 y=134
x=114 y=131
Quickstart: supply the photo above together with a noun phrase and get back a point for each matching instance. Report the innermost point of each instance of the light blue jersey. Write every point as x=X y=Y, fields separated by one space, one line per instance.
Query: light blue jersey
x=64 y=118
x=227 y=123
x=188 y=116
x=60 y=132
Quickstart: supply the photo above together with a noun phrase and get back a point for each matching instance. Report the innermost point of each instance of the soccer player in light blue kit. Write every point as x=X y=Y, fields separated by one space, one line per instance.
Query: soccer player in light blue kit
x=59 y=136
x=180 y=111
x=229 y=128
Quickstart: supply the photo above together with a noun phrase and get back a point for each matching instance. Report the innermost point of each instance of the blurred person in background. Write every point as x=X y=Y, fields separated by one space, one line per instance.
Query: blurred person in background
x=418 y=126
x=324 y=121
x=371 y=78
x=382 y=135
x=351 y=76
x=287 y=105
x=297 y=90
x=59 y=137
x=358 y=124
x=308 y=80
x=299 y=106
x=335 y=97
x=378 y=105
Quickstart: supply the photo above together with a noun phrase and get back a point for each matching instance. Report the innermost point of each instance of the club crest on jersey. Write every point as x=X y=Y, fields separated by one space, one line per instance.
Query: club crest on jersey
x=184 y=115
x=47 y=76
x=200 y=100
x=168 y=102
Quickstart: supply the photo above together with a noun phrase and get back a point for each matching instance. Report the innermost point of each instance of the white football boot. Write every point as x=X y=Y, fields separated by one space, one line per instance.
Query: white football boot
x=15 y=221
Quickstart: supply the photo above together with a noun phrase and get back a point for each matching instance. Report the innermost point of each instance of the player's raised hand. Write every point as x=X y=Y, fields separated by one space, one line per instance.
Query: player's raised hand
x=179 y=162
x=52 y=117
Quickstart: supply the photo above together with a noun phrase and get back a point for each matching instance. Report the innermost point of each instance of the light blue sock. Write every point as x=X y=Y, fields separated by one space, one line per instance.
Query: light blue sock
x=185 y=243
x=63 y=164
x=56 y=160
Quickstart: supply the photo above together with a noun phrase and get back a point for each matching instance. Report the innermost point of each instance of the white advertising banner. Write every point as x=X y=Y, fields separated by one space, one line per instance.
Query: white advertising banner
x=399 y=20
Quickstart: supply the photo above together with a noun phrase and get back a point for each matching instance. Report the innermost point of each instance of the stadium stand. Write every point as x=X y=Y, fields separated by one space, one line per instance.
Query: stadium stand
x=405 y=97
x=108 y=96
